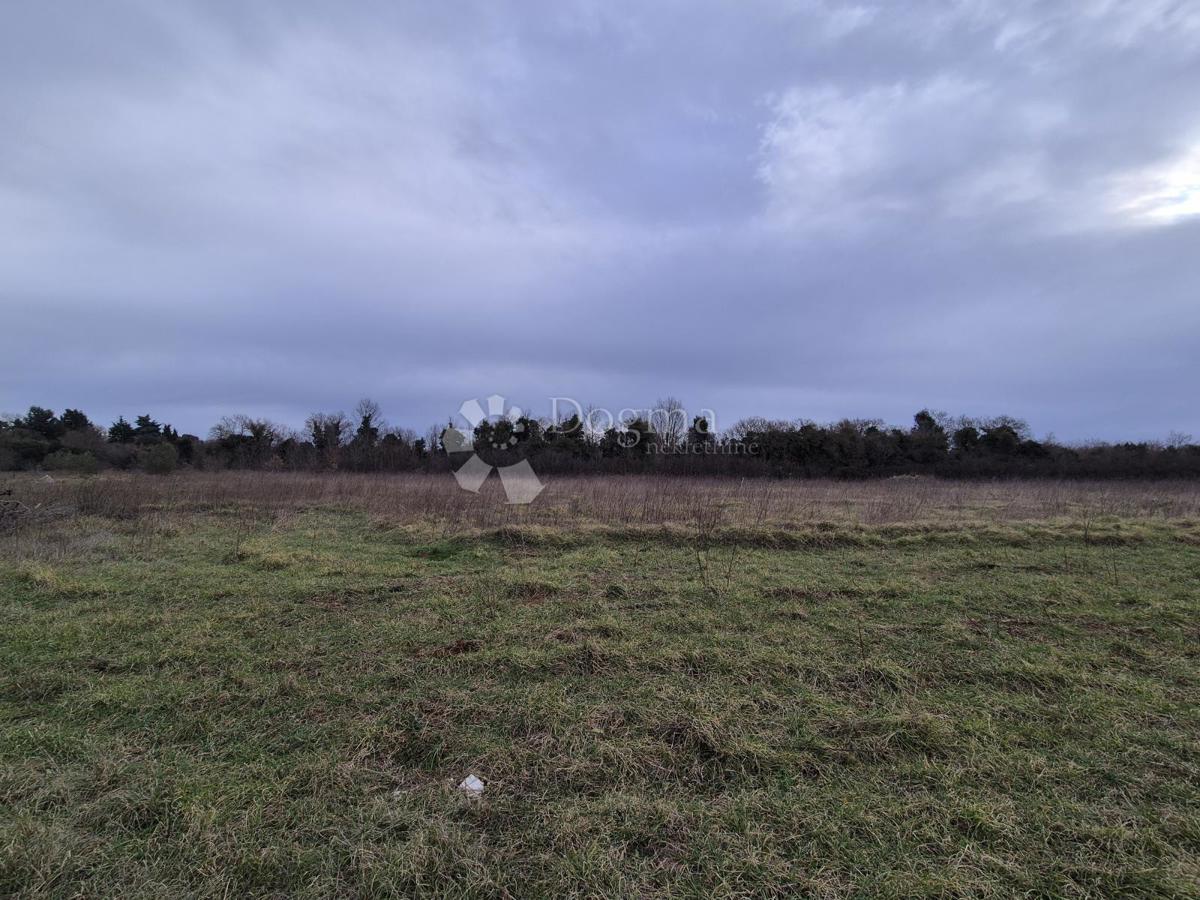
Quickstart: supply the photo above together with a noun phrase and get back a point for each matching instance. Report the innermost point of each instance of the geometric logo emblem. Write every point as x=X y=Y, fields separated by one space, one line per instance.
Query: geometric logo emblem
x=521 y=484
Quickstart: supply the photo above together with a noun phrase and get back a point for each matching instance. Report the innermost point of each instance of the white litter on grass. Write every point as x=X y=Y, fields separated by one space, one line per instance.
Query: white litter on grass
x=471 y=785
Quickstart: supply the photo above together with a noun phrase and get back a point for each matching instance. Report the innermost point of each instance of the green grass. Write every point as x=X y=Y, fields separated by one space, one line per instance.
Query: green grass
x=193 y=705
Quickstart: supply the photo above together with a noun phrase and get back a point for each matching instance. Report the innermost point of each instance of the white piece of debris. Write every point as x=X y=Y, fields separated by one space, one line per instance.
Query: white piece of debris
x=471 y=785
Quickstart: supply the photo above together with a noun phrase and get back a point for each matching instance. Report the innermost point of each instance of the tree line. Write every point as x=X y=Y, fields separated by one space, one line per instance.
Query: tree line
x=660 y=439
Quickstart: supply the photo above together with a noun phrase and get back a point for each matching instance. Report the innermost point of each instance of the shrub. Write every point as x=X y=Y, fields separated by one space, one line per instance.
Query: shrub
x=160 y=459
x=67 y=461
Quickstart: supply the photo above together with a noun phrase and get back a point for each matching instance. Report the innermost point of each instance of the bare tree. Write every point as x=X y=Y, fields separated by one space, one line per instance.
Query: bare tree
x=251 y=440
x=669 y=421
x=368 y=409
x=242 y=426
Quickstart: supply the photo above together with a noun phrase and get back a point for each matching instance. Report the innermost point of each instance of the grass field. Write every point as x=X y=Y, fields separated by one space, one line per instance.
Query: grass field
x=271 y=685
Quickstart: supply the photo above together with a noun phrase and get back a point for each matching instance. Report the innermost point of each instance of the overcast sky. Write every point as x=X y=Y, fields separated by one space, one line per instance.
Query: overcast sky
x=790 y=208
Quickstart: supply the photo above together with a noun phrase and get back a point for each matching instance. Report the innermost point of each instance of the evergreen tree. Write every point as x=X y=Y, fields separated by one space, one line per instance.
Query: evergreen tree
x=699 y=434
x=75 y=420
x=121 y=432
x=42 y=421
x=146 y=430
x=927 y=441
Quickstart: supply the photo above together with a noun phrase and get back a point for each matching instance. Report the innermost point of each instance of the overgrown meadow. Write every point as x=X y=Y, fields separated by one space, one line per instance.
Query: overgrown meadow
x=269 y=685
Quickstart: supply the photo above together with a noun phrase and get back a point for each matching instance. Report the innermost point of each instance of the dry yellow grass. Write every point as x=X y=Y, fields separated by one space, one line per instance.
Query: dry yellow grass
x=629 y=500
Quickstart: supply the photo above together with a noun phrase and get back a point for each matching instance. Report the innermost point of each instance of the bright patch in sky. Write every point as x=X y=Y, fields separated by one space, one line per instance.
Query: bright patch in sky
x=1164 y=195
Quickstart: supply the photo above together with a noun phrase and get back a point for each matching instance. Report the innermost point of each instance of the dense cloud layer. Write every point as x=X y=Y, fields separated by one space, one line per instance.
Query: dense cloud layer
x=781 y=207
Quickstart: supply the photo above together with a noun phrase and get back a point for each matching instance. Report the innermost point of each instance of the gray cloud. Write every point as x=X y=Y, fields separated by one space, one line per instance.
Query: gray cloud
x=782 y=208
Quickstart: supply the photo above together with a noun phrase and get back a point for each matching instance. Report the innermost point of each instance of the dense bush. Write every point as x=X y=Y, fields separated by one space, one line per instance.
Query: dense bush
x=69 y=461
x=160 y=459
x=934 y=444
